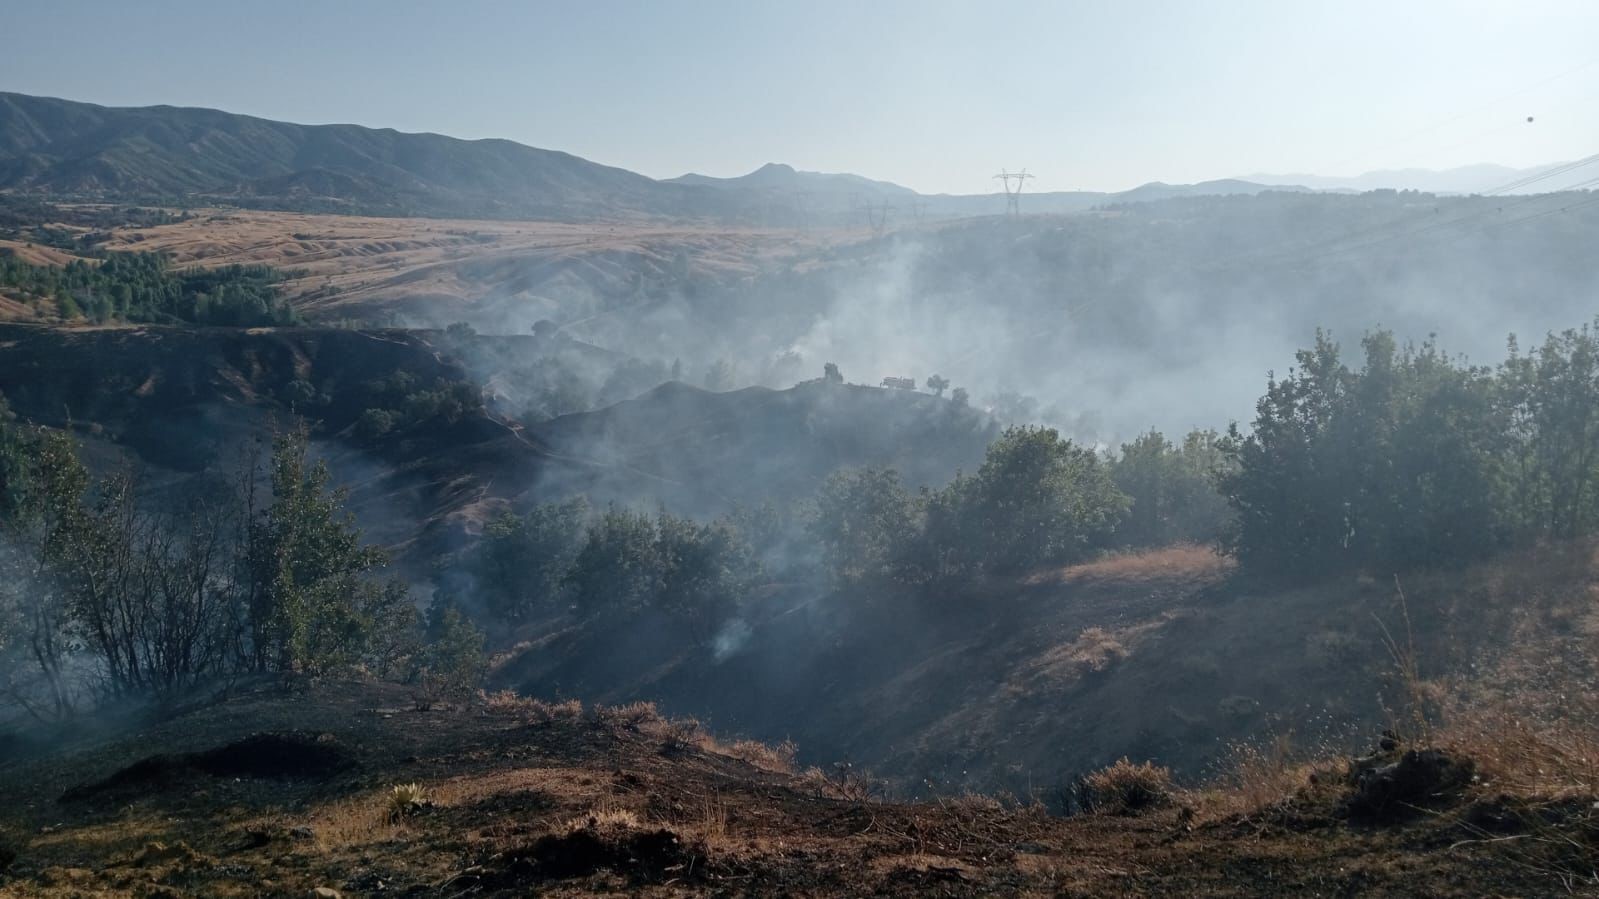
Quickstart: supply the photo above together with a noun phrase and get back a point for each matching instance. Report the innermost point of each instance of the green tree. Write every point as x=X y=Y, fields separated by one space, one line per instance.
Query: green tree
x=1399 y=463
x=522 y=562
x=1038 y=499
x=618 y=570
x=864 y=522
x=312 y=603
x=452 y=662
x=706 y=569
x=1552 y=400
x=1172 y=489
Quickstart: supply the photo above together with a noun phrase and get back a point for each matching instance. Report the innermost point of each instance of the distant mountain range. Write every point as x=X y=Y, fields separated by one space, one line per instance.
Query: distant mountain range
x=167 y=154
x=1469 y=179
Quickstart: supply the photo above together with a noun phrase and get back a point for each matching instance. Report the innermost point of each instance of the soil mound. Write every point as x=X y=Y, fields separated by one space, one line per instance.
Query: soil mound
x=1387 y=790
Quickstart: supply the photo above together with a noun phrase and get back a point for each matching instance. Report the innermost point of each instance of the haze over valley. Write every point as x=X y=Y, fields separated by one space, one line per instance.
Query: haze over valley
x=383 y=511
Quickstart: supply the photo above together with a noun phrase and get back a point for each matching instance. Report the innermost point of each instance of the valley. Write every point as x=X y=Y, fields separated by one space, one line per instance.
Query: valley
x=386 y=513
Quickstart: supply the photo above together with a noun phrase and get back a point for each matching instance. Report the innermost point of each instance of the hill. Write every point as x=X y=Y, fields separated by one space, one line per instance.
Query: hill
x=171 y=153
x=776 y=176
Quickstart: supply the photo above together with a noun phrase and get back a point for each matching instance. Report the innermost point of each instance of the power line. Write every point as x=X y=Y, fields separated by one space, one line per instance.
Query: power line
x=1013 y=197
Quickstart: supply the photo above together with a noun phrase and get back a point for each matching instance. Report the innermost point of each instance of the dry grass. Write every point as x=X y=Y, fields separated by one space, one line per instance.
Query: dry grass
x=357 y=266
x=712 y=823
x=1124 y=787
x=355 y=821
x=779 y=759
x=1262 y=776
x=1096 y=650
x=1180 y=562
x=1528 y=752
x=603 y=819
x=533 y=711
x=635 y=716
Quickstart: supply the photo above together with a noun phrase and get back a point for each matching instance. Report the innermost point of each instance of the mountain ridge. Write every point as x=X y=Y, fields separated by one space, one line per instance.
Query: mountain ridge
x=166 y=154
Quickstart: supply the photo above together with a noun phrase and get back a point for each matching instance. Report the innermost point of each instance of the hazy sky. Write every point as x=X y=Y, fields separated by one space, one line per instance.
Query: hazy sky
x=934 y=95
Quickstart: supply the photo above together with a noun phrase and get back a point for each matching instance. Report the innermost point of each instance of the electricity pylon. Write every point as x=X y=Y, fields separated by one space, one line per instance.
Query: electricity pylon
x=1013 y=197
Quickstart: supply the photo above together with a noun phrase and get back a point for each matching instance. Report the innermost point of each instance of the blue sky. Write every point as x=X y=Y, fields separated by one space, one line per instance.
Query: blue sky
x=935 y=95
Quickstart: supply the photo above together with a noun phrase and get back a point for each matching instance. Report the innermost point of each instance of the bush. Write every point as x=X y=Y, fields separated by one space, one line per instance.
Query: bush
x=374 y=423
x=1125 y=788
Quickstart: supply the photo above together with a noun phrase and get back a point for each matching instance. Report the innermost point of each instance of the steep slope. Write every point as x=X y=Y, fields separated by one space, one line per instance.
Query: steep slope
x=169 y=152
x=1024 y=685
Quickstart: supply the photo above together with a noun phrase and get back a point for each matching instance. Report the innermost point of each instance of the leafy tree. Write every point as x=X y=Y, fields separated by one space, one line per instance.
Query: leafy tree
x=831 y=375
x=1552 y=401
x=40 y=534
x=142 y=287
x=1172 y=489
x=864 y=521
x=618 y=570
x=374 y=423
x=1399 y=463
x=522 y=562
x=1038 y=499
x=938 y=384
x=705 y=571
x=453 y=662
x=15 y=451
x=311 y=603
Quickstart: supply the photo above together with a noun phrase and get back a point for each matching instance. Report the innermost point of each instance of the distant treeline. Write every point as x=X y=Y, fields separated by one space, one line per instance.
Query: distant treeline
x=143 y=287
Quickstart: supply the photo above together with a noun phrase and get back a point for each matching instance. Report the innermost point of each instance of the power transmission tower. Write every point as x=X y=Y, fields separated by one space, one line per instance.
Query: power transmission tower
x=1013 y=196
x=877 y=216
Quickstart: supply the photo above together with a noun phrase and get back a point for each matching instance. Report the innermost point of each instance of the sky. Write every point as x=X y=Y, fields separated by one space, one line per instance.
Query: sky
x=934 y=95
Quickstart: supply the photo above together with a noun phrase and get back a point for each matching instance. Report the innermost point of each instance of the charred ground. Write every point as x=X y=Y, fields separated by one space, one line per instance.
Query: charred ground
x=516 y=796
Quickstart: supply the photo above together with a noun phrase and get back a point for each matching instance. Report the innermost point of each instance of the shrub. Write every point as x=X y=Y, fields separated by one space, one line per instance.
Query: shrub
x=779 y=758
x=374 y=423
x=540 y=712
x=1125 y=788
x=633 y=716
